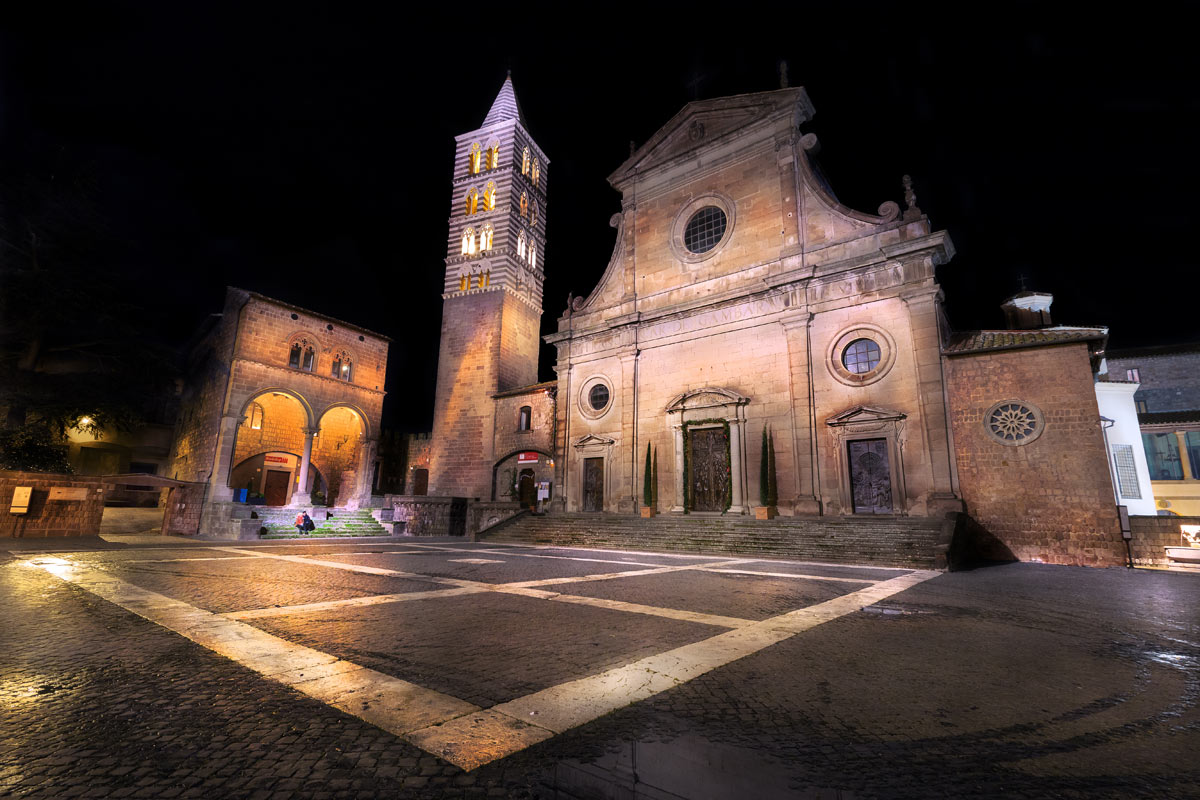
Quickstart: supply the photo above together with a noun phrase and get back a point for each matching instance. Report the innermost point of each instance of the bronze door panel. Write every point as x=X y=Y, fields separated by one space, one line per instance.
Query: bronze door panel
x=870 y=476
x=708 y=463
x=593 y=484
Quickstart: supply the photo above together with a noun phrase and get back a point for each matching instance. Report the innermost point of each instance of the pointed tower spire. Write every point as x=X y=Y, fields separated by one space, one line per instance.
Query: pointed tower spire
x=505 y=106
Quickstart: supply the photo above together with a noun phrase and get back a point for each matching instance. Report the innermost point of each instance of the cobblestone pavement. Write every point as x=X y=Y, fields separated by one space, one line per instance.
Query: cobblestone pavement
x=159 y=669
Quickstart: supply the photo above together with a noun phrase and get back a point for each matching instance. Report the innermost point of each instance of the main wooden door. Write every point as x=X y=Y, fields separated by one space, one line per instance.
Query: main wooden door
x=870 y=476
x=593 y=484
x=708 y=463
x=527 y=493
x=276 y=488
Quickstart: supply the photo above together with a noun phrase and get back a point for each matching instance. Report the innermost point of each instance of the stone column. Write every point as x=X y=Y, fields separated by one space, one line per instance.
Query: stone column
x=219 y=490
x=366 y=471
x=804 y=501
x=302 y=497
x=679 y=476
x=737 y=473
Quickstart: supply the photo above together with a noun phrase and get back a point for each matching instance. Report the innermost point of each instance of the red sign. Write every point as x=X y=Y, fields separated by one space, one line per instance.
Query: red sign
x=278 y=459
x=528 y=457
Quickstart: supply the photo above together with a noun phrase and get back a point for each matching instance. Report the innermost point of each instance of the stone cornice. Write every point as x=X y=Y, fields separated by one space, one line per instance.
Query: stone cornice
x=308 y=375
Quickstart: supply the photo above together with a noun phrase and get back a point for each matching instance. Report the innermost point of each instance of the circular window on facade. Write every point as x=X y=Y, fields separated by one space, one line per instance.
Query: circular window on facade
x=595 y=397
x=598 y=397
x=861 y=356
x=704 y=230
x=1014 y=422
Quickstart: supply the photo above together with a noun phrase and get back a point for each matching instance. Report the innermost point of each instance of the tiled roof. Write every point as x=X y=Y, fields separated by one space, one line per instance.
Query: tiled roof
x=979 y=341
x=505 y=106
x=1168 y=417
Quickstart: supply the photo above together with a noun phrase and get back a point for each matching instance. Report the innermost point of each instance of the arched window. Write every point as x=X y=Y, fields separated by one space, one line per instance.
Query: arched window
x=473 y=159
x=302 y=355
x=485 y=238
x=342 y=366
x=524 y=203
x=489 y=197
x=472 y=201
x=256 y=417
x=525 y=418
x=464 y=282
x=532 y=253
x=493 y=154
x=521 y=245
x=468 y=242
x=485 y=279
x=535 y=172
x=525 y=162
x=533 y=213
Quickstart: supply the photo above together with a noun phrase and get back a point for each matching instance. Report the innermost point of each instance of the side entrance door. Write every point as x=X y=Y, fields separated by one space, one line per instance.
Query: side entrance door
x=276 y=488
x=593 y=484
x=708 y=463
x=870 y=476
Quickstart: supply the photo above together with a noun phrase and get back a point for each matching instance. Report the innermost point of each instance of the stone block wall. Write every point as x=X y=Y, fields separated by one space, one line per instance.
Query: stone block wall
x=1152 y=534
x=46 y=517
x=1169 y=381
x=1050 y=500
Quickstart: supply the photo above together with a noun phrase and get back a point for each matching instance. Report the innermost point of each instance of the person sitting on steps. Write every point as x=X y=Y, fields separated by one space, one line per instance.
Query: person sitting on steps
x=299 y=523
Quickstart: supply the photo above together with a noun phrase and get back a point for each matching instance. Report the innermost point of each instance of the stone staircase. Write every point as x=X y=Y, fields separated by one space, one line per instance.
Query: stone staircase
x=280 y=523
x=916 y=542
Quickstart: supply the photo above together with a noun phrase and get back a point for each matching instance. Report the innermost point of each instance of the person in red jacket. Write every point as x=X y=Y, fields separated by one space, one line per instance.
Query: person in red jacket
x=299 y=523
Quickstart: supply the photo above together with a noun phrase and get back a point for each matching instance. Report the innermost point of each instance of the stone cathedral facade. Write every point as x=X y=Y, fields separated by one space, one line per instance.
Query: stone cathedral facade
x=742 y=297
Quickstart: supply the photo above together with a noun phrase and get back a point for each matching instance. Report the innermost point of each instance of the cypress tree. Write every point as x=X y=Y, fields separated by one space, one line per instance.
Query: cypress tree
x=772 y=489
x=764 y=471
x=647 y=481
x=654 y=488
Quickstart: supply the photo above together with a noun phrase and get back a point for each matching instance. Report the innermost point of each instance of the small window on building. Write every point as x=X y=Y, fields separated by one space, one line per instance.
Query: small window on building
x=1141 y=406
x=472 y=201
x=294 y=356
x=524 y=418
x=535 y=172
x=521 y=245
x=489 y=197
x=468 y=242
x=525 y=161
x=342 y=367
x=1127 y=480
x=1132 y=375
x=598 y=397
x=310 y=359
x=524 y=204
x=493 y=155
x=1162 y=456
x=533 y=213
x=485 y=238
x=532 y=253
x=473 y=159
x=256 y=417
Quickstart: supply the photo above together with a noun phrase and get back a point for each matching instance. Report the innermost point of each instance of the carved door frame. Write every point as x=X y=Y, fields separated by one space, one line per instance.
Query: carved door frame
x=591 y=446
x=711 y=407
x=867 y=422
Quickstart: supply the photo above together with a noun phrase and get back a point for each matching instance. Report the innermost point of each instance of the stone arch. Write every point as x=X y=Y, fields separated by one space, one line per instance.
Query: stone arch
x=292 y=393
x=543 y=470
x=362 y=416
x=341 y=439
x=285 y=422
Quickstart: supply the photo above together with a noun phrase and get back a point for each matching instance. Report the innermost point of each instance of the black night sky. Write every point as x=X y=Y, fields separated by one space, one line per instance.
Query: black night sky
x=307 y=154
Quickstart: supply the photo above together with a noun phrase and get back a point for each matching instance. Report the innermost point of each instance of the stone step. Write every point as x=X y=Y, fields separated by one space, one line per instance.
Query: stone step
x=891 y=541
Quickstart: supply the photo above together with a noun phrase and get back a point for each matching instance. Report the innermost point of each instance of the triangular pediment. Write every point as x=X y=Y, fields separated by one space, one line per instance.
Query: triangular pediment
x=593 y=440
x=708 y=397
x=865 y=414
x=703 y=122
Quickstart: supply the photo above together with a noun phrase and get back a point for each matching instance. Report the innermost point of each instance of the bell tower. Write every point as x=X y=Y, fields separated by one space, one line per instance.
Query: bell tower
x=492 y=296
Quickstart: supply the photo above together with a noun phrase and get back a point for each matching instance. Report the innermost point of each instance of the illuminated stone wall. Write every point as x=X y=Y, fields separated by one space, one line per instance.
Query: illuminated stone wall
x=1049 y=500
x=336 y=450
x=283 y=423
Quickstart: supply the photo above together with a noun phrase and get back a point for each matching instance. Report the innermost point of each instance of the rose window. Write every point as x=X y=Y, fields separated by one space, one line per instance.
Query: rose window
x=1013 y=423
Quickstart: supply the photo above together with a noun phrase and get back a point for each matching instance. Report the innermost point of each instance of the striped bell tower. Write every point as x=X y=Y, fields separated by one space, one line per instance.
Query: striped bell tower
x=492 y=296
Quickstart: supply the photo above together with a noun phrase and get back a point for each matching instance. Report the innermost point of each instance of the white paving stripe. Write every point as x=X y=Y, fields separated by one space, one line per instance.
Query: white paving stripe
x=453 y=729
x=352 y=602
x=786 y=575
x=608 y=576
x=635 y=608
x=395 y=705
x=391 y=573
x=568 y=705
